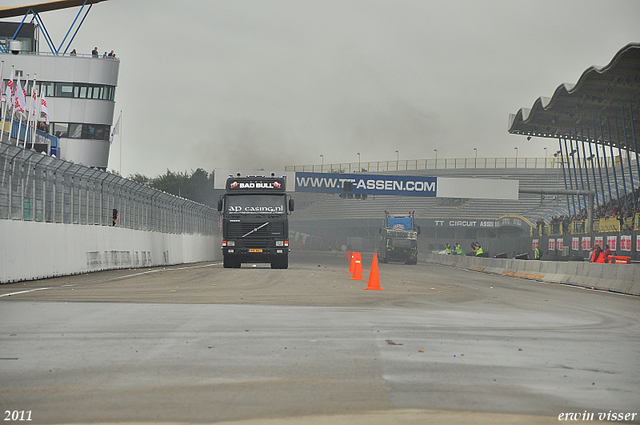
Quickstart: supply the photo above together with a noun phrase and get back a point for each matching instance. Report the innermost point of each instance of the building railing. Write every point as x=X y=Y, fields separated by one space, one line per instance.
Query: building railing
x=447 y=163
x=578 y=227
x=40 y=188
x=67 y=54
x=39 y=138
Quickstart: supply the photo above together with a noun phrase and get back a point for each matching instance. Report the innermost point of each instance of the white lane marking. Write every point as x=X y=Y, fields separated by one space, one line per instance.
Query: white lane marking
x=69 y=285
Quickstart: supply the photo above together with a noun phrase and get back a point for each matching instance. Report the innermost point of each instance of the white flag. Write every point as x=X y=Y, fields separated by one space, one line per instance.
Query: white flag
x=23 y=93
x=116 y=129
x=21 y=99
x=43 y=108
x=9 y=90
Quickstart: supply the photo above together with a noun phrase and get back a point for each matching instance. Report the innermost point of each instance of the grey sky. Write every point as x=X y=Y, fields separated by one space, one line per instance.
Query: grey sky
x=264 y=84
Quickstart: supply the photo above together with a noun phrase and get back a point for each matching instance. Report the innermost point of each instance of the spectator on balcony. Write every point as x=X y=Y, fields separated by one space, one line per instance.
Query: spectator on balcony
x=565 y=225
x=620 y=217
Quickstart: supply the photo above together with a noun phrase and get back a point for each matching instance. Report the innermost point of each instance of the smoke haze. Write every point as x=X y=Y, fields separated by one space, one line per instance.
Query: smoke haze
x=265 y=84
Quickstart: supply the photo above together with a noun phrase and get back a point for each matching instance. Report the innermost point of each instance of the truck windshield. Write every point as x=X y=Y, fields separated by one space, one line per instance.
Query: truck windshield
x=255 y=204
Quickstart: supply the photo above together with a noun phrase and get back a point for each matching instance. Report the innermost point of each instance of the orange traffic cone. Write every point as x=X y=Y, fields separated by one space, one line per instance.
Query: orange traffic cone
x=374 y=277
x=352 y=262
x=357 y=270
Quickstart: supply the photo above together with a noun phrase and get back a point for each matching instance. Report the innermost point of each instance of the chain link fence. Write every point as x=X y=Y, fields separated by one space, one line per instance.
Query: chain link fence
x=40 y=188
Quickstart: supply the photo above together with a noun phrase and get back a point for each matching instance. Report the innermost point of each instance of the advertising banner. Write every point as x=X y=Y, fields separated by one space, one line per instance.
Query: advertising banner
x=625 y=242
x=475 y=223
x=383 y=184
x=477 y=188
x=598 y=241
x=366 y=184
x=612 y=242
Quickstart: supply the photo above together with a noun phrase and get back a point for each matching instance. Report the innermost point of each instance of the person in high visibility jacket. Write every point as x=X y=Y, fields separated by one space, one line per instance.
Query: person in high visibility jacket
x=458 y=249
x=447 y=249
x=597 y=255
x=478 y=249
x=536 y=253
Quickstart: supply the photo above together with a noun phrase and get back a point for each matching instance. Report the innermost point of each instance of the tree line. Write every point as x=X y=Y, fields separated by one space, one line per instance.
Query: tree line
x=196 y=185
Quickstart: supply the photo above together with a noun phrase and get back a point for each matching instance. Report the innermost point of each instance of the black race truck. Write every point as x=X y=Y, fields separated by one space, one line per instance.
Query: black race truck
x=255 y=225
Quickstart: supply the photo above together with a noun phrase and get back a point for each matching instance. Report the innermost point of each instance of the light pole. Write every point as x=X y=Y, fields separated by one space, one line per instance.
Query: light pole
x=475 y=162
x=545 y=157
x=358 y=161
x=516 y=148
x=436 y=151
x=321 y=163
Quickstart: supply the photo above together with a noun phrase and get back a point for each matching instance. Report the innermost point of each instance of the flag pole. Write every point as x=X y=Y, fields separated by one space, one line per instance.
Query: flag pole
x=120 y=140
x=43 y=108
x=22 y=108
x=36 y=115
x=29 y=120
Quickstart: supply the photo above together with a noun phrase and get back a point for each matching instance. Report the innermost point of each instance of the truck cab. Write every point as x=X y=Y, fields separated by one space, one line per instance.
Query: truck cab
x=255 y=225
x=398 y=239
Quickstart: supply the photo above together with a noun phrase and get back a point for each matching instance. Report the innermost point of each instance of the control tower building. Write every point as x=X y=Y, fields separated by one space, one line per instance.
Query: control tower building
x=79 y=87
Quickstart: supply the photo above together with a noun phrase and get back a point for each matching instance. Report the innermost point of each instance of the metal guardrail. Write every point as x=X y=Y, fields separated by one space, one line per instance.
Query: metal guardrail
x=36 y=187
x=443 y=163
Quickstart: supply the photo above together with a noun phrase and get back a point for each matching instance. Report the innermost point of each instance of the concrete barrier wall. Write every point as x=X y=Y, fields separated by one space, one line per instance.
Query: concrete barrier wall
x=31 y=250
x=623 y=278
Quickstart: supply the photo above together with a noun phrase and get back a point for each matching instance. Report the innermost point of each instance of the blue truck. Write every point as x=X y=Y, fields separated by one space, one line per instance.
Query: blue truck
x=398 y=240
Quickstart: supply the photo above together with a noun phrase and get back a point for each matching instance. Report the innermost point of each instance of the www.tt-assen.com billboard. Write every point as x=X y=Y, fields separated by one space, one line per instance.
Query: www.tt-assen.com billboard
x=367 y=184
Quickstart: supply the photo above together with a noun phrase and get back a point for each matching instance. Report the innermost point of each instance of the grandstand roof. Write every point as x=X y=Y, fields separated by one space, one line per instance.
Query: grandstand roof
x=573 y=109
x=10 y=12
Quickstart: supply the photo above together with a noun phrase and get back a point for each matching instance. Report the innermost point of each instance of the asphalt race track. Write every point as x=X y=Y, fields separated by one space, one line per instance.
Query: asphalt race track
x=203 y=344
